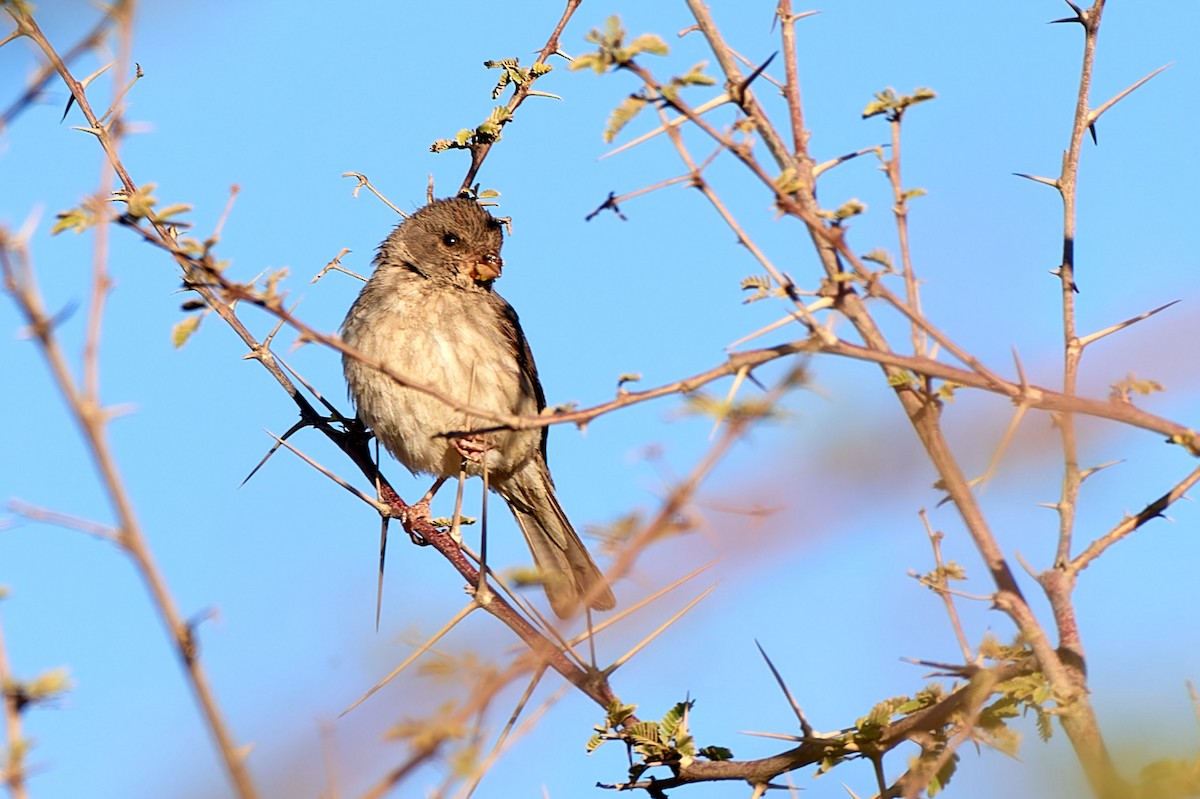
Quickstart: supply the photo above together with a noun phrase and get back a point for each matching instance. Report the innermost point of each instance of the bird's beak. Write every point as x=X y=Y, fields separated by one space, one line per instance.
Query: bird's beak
x=486 y=268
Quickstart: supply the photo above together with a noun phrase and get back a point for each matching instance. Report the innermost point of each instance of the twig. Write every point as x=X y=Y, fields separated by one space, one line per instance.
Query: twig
x=12 y=768
x=1152 y=511
x=480 y=150
x=942 y=587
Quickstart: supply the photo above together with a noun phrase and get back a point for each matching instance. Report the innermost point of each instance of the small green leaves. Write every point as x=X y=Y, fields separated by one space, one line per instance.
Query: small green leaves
x=848 y=209
x=42 y=689
x=695 y=77
x=634 y=103
x=514 y=74
x=613 y=52
x=942 y=778
x=759 y=284
x=622 y=114
x=165 y=214
x=715 y=753
x=888 y=103
x=183 y=330
x=664 y=743
x=788 y=181
x=1122 y=390
x=76 y=220
x=487 y=132
x=881 y=257
x=946 y=391
x=140 y=203
x=754 y=409
x=617 y=713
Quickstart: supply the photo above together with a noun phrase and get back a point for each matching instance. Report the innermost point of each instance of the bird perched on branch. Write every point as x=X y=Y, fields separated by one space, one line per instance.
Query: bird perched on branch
x=429 y=314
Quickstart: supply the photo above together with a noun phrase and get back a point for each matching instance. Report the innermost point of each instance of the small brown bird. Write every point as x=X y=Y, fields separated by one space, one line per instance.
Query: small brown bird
x=429 y=313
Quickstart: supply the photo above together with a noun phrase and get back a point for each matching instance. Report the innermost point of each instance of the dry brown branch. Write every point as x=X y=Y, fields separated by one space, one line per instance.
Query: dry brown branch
x=1036 y=397
x=12 y=767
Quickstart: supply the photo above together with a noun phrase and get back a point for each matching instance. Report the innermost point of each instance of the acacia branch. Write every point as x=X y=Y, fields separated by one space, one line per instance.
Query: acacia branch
x=480 y=149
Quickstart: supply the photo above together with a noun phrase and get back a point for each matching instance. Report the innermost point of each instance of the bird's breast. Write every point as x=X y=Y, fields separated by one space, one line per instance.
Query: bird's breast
x=449 y=342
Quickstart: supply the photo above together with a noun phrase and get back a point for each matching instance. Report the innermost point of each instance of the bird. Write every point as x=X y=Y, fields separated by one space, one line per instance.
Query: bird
x=429 y=312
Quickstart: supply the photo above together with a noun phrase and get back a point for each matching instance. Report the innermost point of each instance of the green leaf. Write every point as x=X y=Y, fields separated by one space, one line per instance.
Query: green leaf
x=695 y=76
x=788 y=181
x=622 y=115
x=715 y=753
x=141 y=203
x=593 y=60
x=942 y=778
x=893 y=106
x=183 y=330
x=172 y=210
x=674 y=718
x=645 y=731
x=48 y=685
x=881 y=257
x=617 y=713
x=648 y=43
x=77 y=220
x=849 y=209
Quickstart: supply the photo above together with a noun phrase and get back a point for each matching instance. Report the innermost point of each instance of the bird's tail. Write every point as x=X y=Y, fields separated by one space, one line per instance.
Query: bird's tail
x=569 y=574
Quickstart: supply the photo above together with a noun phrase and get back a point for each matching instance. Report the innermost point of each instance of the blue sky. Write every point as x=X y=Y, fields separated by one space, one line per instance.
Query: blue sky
x=282 y=99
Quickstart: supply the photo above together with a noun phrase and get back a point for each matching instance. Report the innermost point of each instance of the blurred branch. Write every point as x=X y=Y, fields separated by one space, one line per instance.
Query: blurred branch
x=48 y=71
x=92 y=418
x=12 y=767
x=1078 y=719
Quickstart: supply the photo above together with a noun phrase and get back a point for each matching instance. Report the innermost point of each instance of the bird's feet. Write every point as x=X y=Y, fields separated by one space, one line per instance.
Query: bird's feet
x=471 y=448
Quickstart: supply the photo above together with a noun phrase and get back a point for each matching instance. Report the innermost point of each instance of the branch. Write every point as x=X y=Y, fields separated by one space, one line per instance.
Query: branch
x=480 y=150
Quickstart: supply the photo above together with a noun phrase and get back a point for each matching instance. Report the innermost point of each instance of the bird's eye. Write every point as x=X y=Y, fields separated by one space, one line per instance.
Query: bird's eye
x=449 y=239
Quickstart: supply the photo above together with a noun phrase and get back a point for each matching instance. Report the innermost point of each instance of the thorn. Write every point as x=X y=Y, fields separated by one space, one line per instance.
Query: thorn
x=382 y=560
x=1086 y=473
x=1099 y=334
x=623 y=659
x=421 y=650
x=1038 y=179
x=805 y=727
x=294 y=428
x=741 y=90
x=1095 y=115
x=1079 y=17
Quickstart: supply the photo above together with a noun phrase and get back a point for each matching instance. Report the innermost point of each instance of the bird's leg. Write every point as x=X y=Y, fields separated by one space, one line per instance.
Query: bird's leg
x=456 y=522
x=483 y=593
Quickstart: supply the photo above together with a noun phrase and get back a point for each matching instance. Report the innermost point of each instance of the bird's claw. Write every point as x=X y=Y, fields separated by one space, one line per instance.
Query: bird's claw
x=471 y=448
